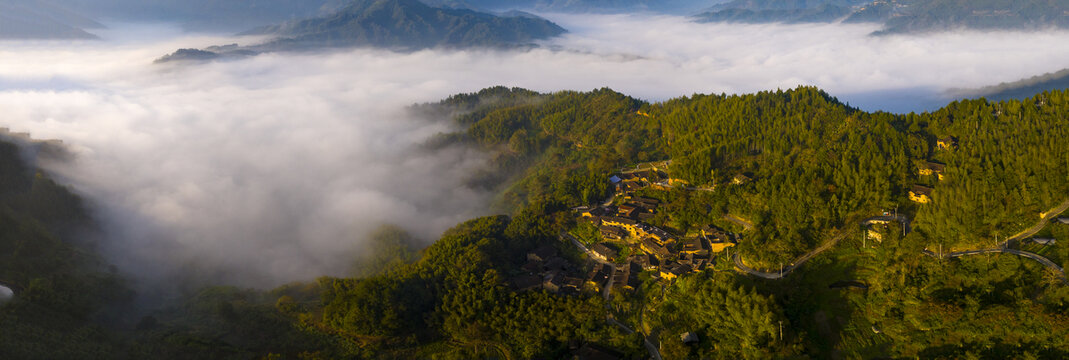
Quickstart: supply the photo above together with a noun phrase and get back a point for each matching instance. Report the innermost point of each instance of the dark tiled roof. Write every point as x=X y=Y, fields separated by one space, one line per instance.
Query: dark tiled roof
x=603 y=250
x=937 y=167
x=922 y=190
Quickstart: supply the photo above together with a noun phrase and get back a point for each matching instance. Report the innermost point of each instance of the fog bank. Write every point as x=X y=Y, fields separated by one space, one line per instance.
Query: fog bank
x=272 y=169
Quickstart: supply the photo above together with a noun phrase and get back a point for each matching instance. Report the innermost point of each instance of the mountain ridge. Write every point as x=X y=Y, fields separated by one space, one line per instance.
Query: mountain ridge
x=399 y=25
x=899 y=16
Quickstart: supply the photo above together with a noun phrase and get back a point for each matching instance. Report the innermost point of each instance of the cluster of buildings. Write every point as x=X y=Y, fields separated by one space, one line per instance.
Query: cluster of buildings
x=923 y=194
x=652 y=249
x=629 y=182
x=546 y=269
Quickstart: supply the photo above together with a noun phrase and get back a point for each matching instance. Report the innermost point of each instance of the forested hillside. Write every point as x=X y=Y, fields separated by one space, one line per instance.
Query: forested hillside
x=798 y=165
x=63 y=292
x=399 y=25
x=412 y=24
x=815 y=163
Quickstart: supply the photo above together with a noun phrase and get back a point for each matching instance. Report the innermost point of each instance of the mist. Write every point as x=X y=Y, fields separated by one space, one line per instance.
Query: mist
x=274 y=168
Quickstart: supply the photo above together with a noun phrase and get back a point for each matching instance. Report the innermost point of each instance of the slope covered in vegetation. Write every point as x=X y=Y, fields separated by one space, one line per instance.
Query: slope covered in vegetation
x=814 y=168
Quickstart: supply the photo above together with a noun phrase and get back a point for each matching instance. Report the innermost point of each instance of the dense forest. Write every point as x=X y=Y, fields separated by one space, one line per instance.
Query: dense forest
x=813 y=168
x=817 y=165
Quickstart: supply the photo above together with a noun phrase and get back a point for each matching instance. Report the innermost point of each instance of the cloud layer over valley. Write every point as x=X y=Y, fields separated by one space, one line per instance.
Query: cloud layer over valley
x=273 y=168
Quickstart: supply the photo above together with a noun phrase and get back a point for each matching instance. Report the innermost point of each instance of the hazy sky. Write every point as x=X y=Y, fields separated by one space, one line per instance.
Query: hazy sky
x=271 y=169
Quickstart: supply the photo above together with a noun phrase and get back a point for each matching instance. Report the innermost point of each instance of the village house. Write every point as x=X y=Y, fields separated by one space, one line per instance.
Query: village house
x=571 y=286
x=740 y=179
x=644 y=262
x=648 y=176
x=947 y=143
x=696 y=262
x=592 y=213
x=623 y=223
x=628 y=187
x=637 y=230
x=650 y=246
x=712 y=231
x=920 y=194
x=685 y=259
x=553 y=282
x=673 y=270
x=603 y=252
x=626 y=211
x=693 y=246
x=612 y=232
x=660 y=235
x=623 y=279
x=929 y=168
x=645 y=216
x=644 y=204
x=717 y=238
x=598 y=275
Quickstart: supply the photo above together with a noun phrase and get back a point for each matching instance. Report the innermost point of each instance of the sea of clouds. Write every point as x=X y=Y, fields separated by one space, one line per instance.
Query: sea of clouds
x=274 y=168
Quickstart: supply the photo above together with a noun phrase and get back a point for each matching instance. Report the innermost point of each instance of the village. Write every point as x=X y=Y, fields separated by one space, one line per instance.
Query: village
x=628 y=247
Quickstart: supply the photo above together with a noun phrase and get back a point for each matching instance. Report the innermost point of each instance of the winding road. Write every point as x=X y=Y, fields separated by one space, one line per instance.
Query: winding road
x=1042 y=260
x=1003 y=246
x=1043 y=221
x=823 y=247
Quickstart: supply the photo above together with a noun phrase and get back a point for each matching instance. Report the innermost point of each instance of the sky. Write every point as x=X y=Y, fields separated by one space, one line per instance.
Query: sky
x=273 y=169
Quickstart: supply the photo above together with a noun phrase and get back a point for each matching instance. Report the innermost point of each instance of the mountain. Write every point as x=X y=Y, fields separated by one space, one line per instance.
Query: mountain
x=410 y=24
x=779 y=11
x=822 y=13
x=900 y=16
x=758 y=5
x=610 y=6
x=521 y=285
x=34 y=19
x=914 y=16
x=581 y=6
x=1019 y=89
x=403 y=25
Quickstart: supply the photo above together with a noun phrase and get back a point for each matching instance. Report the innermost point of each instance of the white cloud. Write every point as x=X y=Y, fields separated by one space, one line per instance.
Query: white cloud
x=270 y=169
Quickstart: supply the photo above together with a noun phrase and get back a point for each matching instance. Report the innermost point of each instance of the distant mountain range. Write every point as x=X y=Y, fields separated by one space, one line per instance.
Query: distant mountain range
x=759 y=14
x=1020 y=89
x=393 y=24
x=582 y=6
x=33 y=19
x=899 y=16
